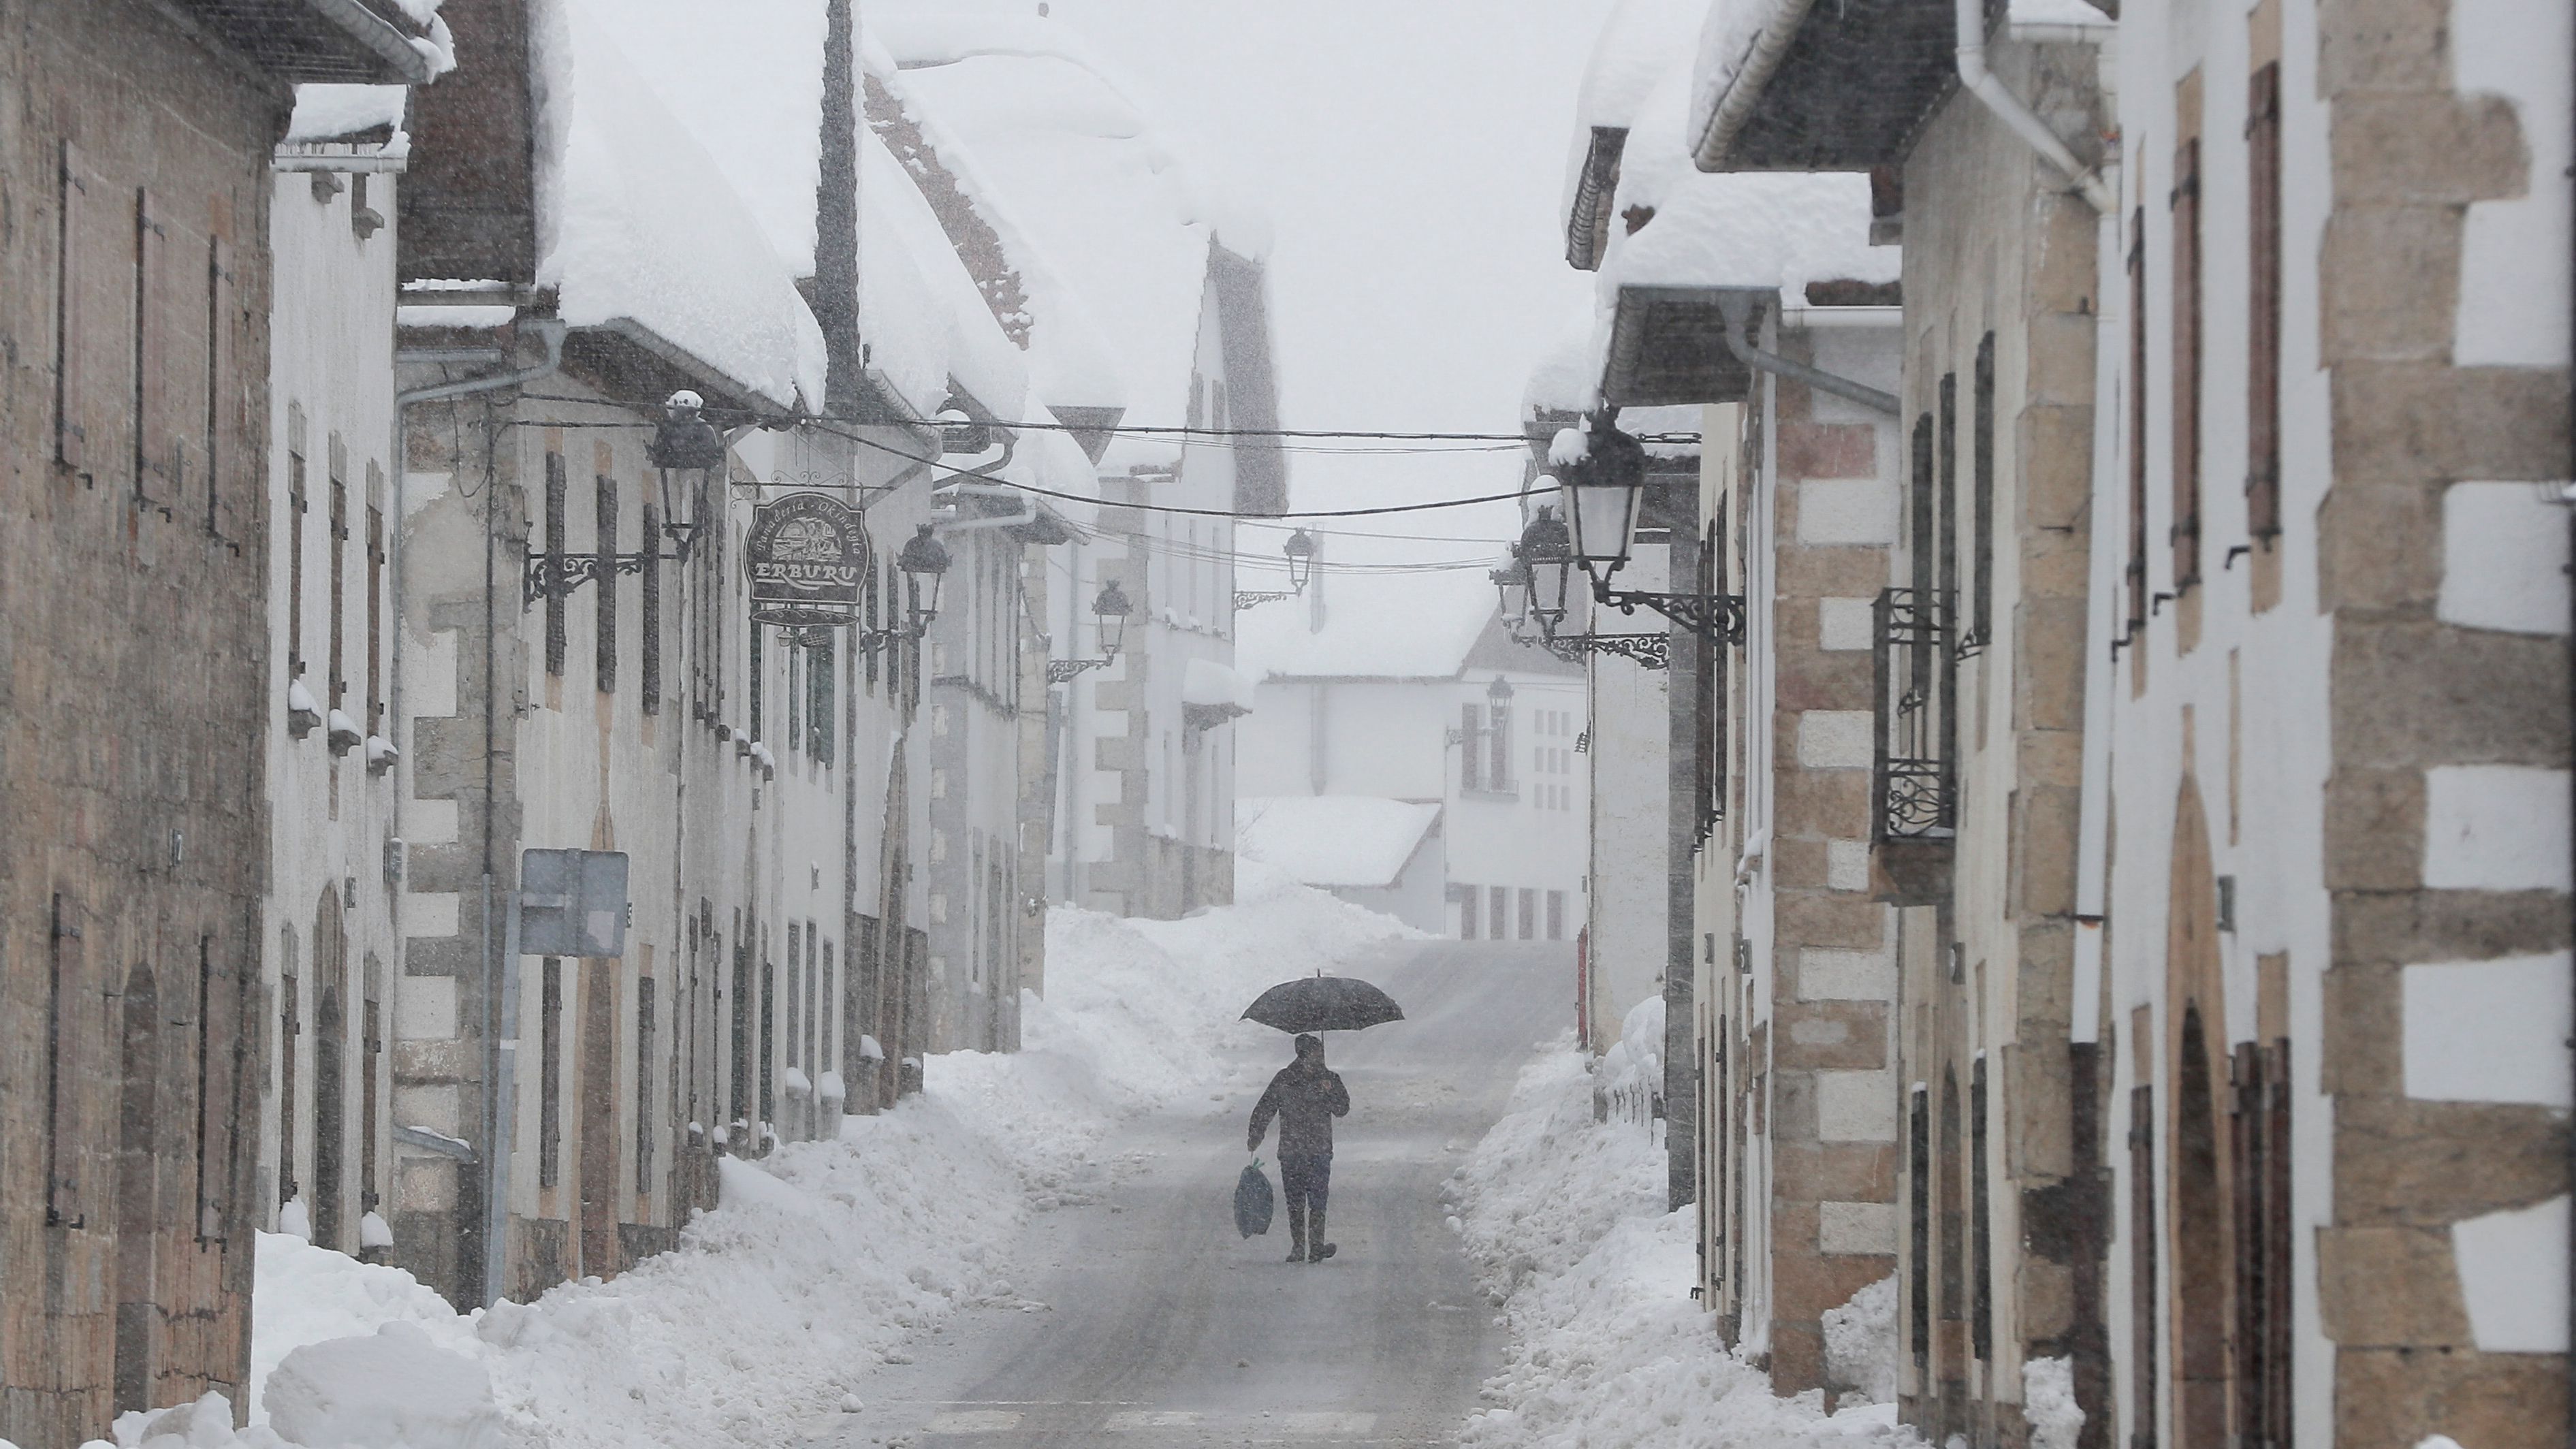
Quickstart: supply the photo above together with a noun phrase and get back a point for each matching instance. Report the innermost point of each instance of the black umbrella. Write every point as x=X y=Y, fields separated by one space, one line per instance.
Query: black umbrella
x=1323 y=1003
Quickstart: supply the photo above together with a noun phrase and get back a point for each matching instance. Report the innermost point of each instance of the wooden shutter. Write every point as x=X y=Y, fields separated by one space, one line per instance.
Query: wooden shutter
x=2143 y=1276
x=1471 y=758
x=2137 y=564
x=375 y=603
x=556 y=503
x=652 y=591
x=1981 y=483
x=71 y=1009
x=2263 y=305
x=606 y=582
x=93 y=327
x=156 y=313
x=229 y=498
x=2186 y=366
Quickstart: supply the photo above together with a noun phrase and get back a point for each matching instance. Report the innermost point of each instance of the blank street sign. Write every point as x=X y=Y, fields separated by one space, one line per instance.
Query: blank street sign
x=572 y=903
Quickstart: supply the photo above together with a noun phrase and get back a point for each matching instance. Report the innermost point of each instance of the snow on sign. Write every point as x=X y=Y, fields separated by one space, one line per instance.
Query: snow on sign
x=807 y=558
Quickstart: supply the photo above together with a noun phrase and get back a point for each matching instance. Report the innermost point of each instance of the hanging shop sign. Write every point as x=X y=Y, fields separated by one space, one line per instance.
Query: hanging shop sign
x=807 y=561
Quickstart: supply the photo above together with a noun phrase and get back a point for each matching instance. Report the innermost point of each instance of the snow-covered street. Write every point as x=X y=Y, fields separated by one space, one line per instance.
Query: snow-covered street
x=1160 y=1325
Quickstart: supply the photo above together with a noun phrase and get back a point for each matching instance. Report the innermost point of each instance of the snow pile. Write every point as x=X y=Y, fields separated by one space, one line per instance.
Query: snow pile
x=331 y=112
x=1860 y=1343
x=1565 y=1216
x=1332 y=840
x=823 y=1258
x=2047 y=1397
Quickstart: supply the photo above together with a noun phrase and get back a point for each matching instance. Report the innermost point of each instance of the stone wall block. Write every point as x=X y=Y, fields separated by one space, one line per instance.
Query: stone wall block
x=2056 y=462
x=2396 y=1398
x=2390 y=283
x=1850 y=922
x=2374 y=830
x=1832 y=1172
x=2447 y=925
x=2056 y=563
x=2043 y=851
x=2362 y=1038
x=2408 y=695
x=1831 y=1035
x=1832 y=573
x=1818 y=679
x=2383 y=45
x=1798 y=864
x=2426 y=148
x=1827 y=450
x=2044 y=988
x=2048 y=757
x=2390 y=1287
x=2379 y=547
x=1822 y=804
x=2061 y=355
x=2424 y=422
x=2048 y=664
x=2399 y=1161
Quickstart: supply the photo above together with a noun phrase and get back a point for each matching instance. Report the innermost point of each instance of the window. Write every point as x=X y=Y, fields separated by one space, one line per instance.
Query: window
x=213 y=1084
x=2186 y=366
x=2143 y=1279
x=796 y=706
x=1981 y=482
x=371 y=1049
x=375 y=601
x=606 y=581
x=1499 y=742
x=294 y=540
x=2264 y=1234
x=1468 y=898
x=1556 y=915
x=827 y=1057
x=556 y=488
x=1981 y=1305
x=66 y=1034
x=768 y=1031
x=1471 y=772
x=223 y=401
x=1918 y=1201
x=1497 y=906
x=645 y=1046
x=652 y=590
x=740 y=1077
x=550 y=1077
x=822 y=694
x=869 y=593
x=758 y=665
x=2137 y=565
x=1528 y=913
x=795 y=992
x=2263 y=324
x=290 y=1026
x=1944 y=535
x=338 y=678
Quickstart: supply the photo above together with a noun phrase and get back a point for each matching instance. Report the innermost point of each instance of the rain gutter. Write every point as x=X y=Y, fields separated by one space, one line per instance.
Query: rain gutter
x=2017 y=114
x=1739 y=308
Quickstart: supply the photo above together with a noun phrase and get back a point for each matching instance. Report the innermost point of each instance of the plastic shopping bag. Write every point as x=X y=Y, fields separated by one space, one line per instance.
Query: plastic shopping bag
x=1252 y=1201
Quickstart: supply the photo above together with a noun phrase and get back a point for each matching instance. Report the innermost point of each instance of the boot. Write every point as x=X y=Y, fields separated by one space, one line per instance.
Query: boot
x=1323 y=1249
x=1296 y=1231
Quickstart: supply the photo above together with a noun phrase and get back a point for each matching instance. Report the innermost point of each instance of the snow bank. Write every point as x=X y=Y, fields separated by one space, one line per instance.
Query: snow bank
x=824 y=1257
x=1565 y=1218
x=1860 y=1343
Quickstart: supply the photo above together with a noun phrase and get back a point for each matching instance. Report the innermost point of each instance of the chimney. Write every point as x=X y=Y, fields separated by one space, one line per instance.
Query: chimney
x=468 y=199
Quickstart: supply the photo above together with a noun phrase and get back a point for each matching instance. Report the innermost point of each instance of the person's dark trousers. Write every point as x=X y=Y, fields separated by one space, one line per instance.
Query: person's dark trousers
x=1307 y=1180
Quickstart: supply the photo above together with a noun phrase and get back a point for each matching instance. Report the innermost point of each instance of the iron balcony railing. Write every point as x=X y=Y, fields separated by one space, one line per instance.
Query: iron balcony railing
x=1914 y=778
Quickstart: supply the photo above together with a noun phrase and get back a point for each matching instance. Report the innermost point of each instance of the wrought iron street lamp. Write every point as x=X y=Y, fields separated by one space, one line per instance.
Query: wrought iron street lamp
x=1604 y=478
x=685 y=443
x=923 y=562
x=1111 y=608
x=1300 y=551
x=1512 y=587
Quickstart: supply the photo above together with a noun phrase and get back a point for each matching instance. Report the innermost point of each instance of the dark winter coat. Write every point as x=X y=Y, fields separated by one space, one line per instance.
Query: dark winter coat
x=1305 y=1096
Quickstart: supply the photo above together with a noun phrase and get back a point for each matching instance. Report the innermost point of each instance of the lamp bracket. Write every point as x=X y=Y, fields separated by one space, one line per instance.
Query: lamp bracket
x=1247 y=600
x=1061 y=670
x=558 y=576
x=871 y=641
x=1712 y=616
x=1652 y=651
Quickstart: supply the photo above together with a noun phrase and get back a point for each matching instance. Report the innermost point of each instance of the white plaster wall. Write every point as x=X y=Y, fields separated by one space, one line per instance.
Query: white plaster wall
x=1630 y=902
x=331 y=353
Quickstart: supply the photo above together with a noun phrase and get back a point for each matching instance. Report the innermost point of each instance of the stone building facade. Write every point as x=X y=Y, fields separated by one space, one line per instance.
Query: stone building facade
x=134 y=149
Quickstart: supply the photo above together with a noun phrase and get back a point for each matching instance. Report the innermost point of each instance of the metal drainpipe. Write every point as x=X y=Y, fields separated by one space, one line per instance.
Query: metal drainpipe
x=550 y=331
x=2010 y=109
x=1738 y=308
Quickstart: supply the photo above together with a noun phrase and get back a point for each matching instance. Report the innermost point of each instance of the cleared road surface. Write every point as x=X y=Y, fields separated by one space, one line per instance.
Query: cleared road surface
x=1165 y=1328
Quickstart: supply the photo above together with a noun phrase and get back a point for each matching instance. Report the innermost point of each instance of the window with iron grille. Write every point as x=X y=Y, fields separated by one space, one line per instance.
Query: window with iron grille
x=1914 y=782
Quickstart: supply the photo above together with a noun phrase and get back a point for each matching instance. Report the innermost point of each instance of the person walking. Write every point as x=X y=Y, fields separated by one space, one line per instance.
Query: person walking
x=1305 y=1096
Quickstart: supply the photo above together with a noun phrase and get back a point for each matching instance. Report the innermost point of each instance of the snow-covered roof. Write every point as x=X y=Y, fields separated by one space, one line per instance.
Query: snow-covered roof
x=924 y=319
x=1739 y=229
x=638 y=222
x=1212 y=685
x=331 y=111
x=1631 y=55
x=1396 y=626
x=1119 y=231
x=1332 y=840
